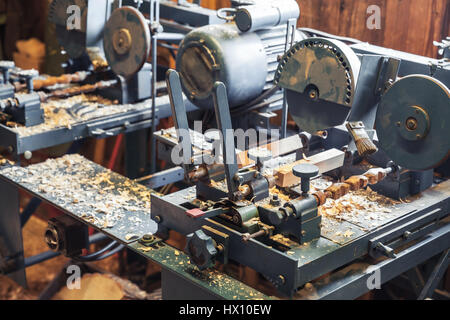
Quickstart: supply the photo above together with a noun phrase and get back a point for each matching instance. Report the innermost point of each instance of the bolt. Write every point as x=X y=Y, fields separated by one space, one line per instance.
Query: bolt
x=148 y=237
x=28 y=155
x=275 y=201
x=157 y=219
x=281 y=279
x=249 y=236
x=238 y=178
x=411 y=124
x=406 y=235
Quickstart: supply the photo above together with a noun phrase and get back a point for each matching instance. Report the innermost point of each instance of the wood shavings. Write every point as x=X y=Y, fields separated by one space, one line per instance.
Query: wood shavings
x=284 y=241
x=99 y=196
x=280 y=194
x=348 y=234
x=131 y=236
x=366 y=203
x=58 y=113
x=4 y=161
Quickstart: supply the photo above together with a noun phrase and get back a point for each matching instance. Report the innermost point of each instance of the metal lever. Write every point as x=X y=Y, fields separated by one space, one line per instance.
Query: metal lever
x=179 y=115
x=385 y=250
x=223 y=119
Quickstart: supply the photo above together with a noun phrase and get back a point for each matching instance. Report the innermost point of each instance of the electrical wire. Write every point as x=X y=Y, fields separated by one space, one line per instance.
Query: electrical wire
x=264 y=95
x=101 y=254
x=264 y=104
x=111 y=253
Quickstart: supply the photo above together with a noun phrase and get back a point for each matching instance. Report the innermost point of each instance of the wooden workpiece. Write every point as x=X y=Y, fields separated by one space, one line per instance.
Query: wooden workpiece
x=326 y=161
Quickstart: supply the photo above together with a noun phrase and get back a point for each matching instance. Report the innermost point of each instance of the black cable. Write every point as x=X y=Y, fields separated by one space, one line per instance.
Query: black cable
x=100 y=252
x=172 y=49
x=111 y=253
x=264 y=95
x=95 y=255
x=238 y=112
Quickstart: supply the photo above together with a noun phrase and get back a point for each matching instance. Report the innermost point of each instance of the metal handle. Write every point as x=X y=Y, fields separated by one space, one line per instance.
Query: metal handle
x=223 y=14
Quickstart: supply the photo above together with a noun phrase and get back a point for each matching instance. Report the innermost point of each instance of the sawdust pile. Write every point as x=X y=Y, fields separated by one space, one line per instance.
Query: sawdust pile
x=65 y=113
x=361 y=202
x=81 y=185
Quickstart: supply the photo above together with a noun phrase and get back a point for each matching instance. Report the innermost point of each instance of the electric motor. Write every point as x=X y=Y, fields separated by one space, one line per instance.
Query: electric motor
x=244 y=61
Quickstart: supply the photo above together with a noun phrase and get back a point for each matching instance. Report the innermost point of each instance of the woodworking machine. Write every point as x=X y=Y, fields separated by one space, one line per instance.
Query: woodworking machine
x=367 y=119
x=359 y=122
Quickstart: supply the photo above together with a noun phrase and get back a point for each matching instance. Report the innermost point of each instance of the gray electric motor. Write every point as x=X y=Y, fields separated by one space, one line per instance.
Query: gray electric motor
x=243 y=53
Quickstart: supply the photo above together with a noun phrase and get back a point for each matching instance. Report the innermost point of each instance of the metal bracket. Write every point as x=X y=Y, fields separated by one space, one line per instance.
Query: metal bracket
x=436 y=276
x=386 y=243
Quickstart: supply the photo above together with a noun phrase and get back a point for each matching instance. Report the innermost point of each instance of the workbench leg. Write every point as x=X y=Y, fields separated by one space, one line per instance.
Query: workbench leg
x=136 y=153
x=11 y=241
x=435 y=277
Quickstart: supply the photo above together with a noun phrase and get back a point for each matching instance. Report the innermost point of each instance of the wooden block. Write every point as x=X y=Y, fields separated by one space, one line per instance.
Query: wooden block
x=278 y=148
x=326 y=161
x=243 y=159
x=285 y=146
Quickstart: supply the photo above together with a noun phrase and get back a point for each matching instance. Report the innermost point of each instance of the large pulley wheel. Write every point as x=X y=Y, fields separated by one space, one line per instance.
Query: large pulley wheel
x=126 y=41
x=319 y=76
x=413 y=122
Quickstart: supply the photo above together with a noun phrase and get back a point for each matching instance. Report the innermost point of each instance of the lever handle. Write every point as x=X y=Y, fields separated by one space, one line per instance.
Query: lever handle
x=223 y=117
x=179 y=114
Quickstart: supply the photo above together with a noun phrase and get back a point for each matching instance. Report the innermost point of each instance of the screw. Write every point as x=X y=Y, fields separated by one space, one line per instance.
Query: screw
x=411 y=124
x=275 y=201
x=147 y=237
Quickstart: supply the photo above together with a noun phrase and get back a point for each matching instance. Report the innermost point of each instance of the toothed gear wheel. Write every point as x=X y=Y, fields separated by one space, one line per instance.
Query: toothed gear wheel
x=201 y=249
x=319 y=76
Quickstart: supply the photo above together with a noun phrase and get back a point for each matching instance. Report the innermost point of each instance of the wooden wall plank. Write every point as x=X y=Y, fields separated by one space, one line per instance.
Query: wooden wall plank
x=407 y=25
